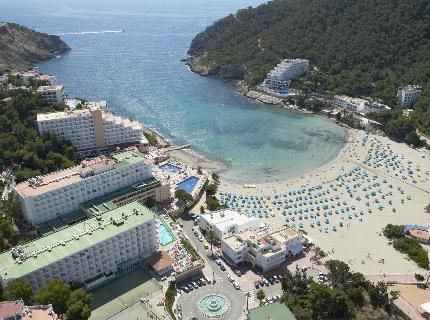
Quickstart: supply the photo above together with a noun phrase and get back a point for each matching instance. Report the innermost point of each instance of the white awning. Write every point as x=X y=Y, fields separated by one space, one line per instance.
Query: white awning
x=426 y=307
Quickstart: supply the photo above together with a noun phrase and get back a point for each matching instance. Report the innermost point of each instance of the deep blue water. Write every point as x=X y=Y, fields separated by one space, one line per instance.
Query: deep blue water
x=139 y=73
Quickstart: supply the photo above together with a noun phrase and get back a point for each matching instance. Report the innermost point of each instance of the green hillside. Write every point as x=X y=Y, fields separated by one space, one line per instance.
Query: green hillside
x=356 y=47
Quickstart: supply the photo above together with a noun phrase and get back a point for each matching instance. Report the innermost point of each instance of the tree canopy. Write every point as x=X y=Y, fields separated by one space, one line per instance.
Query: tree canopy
x=55 y=292
x=79 y=305
x=21 y=147
x=355 y=47
x=19 y=289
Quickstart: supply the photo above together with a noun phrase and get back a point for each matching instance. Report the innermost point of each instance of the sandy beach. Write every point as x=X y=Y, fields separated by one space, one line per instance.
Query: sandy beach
x=193 y=159
x=372 y=181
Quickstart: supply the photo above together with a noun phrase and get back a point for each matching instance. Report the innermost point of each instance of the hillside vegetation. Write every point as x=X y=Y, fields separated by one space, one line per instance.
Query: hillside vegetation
x=21 y=48
x=356 y=47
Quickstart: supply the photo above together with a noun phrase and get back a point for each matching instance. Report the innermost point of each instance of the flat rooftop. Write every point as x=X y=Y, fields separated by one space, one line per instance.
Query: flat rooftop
x=50 y=88
x=224 y=219
x=56 y=246
x=272 y=311
x=107 y=202
x=62 y=178
x=62 y=114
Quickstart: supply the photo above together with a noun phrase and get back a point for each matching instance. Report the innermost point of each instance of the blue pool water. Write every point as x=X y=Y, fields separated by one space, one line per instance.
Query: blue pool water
x=165 y=235
x=188 y=184
x=170 y=167
x=140 y=75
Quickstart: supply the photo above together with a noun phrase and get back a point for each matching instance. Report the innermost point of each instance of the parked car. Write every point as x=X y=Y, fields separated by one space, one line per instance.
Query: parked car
x=237 y=272
x=195 y=285
x=203 y=281
x=218 y=262
x=256 y=284
x=236 y=285
x=222 y=267
x=230 y=278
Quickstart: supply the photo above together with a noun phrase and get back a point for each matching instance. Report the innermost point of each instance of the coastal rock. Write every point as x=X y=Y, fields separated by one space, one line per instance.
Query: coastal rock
x=226 y=71
x=21 y=48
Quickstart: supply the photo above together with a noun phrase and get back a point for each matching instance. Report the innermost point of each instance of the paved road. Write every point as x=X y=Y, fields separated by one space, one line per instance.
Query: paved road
x=188 y=302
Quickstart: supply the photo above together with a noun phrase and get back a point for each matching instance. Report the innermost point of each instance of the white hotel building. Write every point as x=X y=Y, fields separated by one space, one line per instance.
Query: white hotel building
x=357 y=105
x=46 y=197
x=89 y=252
x=92 y=128
x=408 y=95
x=280 y=77
x=52 y=94
x=265 y=249
x=225 y=223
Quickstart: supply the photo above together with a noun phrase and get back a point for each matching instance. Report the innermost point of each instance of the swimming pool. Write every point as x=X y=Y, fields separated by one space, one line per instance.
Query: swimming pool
x=188 y=184
x=165 y=235
x=170 y=167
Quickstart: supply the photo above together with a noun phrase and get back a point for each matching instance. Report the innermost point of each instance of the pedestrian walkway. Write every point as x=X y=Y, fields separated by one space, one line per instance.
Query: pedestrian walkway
x=252 y=298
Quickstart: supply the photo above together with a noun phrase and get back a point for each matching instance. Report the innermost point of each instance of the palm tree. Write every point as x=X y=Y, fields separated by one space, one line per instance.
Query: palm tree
x=261 y=295
x=211 y=237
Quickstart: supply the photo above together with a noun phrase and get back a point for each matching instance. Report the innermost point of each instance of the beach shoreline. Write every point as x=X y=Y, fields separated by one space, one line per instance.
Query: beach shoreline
x=360 y=242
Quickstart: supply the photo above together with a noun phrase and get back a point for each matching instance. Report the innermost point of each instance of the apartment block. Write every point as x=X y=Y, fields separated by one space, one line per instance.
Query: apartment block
x=279 y=78
x=52 y=94
x=357 y=105
x=93 y=128
x=408 y=95
x=265 y=249
x=225 y=223
x=47 y=197
x=89 y=252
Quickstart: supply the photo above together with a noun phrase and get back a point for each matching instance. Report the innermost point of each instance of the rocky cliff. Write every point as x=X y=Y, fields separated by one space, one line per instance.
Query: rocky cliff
x=21 y=48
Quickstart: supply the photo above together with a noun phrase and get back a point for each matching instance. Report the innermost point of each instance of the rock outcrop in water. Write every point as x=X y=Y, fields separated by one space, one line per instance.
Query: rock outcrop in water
x=225 y=71
x=21 y=48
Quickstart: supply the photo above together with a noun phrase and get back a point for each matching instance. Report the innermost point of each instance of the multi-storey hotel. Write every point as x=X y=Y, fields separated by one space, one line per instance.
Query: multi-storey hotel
x=225 y=223
x=46 y=197
x=280 y=77
x=89 y=252
x=93 y=128
x=408 y=95
x=264 y=249
x=357 y=105
x=52 y=94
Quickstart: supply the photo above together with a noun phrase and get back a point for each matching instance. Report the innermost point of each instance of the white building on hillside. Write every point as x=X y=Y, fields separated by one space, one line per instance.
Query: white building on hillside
x=357 y=105
x=265 y=249
x=2 y=80
x=408 y=95
x=32 y=75
x=280 y=77
x=46 y=197
x=89 y=252
x=93 y=128
x=52 y=94
x=225 y=223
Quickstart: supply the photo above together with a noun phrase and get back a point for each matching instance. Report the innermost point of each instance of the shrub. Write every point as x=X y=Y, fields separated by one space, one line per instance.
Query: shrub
x=413 y=249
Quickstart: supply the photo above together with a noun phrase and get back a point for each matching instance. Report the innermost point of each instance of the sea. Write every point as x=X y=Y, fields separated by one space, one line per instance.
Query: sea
x=129 y=53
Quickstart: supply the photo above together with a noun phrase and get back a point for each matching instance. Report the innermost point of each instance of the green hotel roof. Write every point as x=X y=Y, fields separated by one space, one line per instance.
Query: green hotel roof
x=127 y=158
x=106 y=203
x=10 y=269
x=272 y=311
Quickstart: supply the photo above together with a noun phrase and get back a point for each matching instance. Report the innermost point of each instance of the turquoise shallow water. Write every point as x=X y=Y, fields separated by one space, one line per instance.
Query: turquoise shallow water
x=139 y=73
